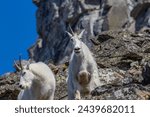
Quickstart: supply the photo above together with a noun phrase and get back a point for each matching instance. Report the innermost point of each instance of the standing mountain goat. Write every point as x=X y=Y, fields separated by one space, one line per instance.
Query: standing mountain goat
x=36 y=81
x=83 y=71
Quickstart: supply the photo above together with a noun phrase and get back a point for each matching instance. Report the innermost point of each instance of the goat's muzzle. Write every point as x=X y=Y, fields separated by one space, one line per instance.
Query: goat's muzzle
x=77 y=50
x=21 y=86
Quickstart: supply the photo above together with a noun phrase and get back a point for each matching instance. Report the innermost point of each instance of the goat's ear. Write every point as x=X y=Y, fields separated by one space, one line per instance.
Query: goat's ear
x=81 y=33
x=70 y=35
x=27 y=66
x=30 y=61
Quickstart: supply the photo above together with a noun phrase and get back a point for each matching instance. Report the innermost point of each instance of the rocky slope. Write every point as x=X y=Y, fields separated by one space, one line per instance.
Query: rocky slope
x=116 y=31
x=124 y=67
x=123 y=58
x=8 y=87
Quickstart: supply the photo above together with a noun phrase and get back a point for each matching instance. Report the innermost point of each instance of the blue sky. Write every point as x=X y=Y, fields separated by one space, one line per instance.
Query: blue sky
x=17 y=31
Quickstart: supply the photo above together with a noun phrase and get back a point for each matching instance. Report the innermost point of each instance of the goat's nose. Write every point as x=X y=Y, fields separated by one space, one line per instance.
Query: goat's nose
x=77 y=48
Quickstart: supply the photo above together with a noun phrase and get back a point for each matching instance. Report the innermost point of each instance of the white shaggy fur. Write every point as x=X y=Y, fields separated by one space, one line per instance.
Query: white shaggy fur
x=83 y=71
x=37 y=82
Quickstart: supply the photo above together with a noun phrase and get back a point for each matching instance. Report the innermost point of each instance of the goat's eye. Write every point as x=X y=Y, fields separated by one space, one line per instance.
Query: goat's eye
x=71 y=39
x=23 y=73
x=81 y=38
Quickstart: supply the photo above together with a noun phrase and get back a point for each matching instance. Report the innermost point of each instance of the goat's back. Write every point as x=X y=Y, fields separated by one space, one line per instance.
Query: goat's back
x=42 y=70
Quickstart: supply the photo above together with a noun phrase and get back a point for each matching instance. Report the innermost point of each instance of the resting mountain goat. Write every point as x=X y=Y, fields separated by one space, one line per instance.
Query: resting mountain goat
x=37 y=82
x=83 y=71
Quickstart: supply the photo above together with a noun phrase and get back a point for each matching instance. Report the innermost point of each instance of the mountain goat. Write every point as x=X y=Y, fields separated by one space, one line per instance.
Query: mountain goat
x=36 y=81
x=82 y=71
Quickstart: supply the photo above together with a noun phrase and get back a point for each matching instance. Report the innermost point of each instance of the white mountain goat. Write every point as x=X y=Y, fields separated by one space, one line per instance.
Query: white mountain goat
x=36 y=81
x=83 y=71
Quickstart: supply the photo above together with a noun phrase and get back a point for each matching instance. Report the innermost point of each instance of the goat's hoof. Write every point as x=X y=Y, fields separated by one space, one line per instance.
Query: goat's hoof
x=77 y=98
x=77 y=95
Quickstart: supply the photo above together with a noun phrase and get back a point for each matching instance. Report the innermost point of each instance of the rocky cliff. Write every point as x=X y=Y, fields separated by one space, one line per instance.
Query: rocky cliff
x=95 y=16
x=116 y=31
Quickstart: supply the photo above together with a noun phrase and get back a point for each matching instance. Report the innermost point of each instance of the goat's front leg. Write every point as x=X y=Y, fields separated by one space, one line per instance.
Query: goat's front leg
x=77 y=95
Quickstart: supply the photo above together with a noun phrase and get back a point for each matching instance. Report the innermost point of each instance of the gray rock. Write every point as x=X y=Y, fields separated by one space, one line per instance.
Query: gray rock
x=141 y=15
x=146 y=73
x=8 y=87
x=118 y=14
x=54 y=17
x=127 y=92
x=120 y=49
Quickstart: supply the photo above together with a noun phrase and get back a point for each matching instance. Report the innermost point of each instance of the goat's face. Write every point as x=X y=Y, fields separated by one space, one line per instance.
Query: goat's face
x=26 y=78
x=77 y=44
